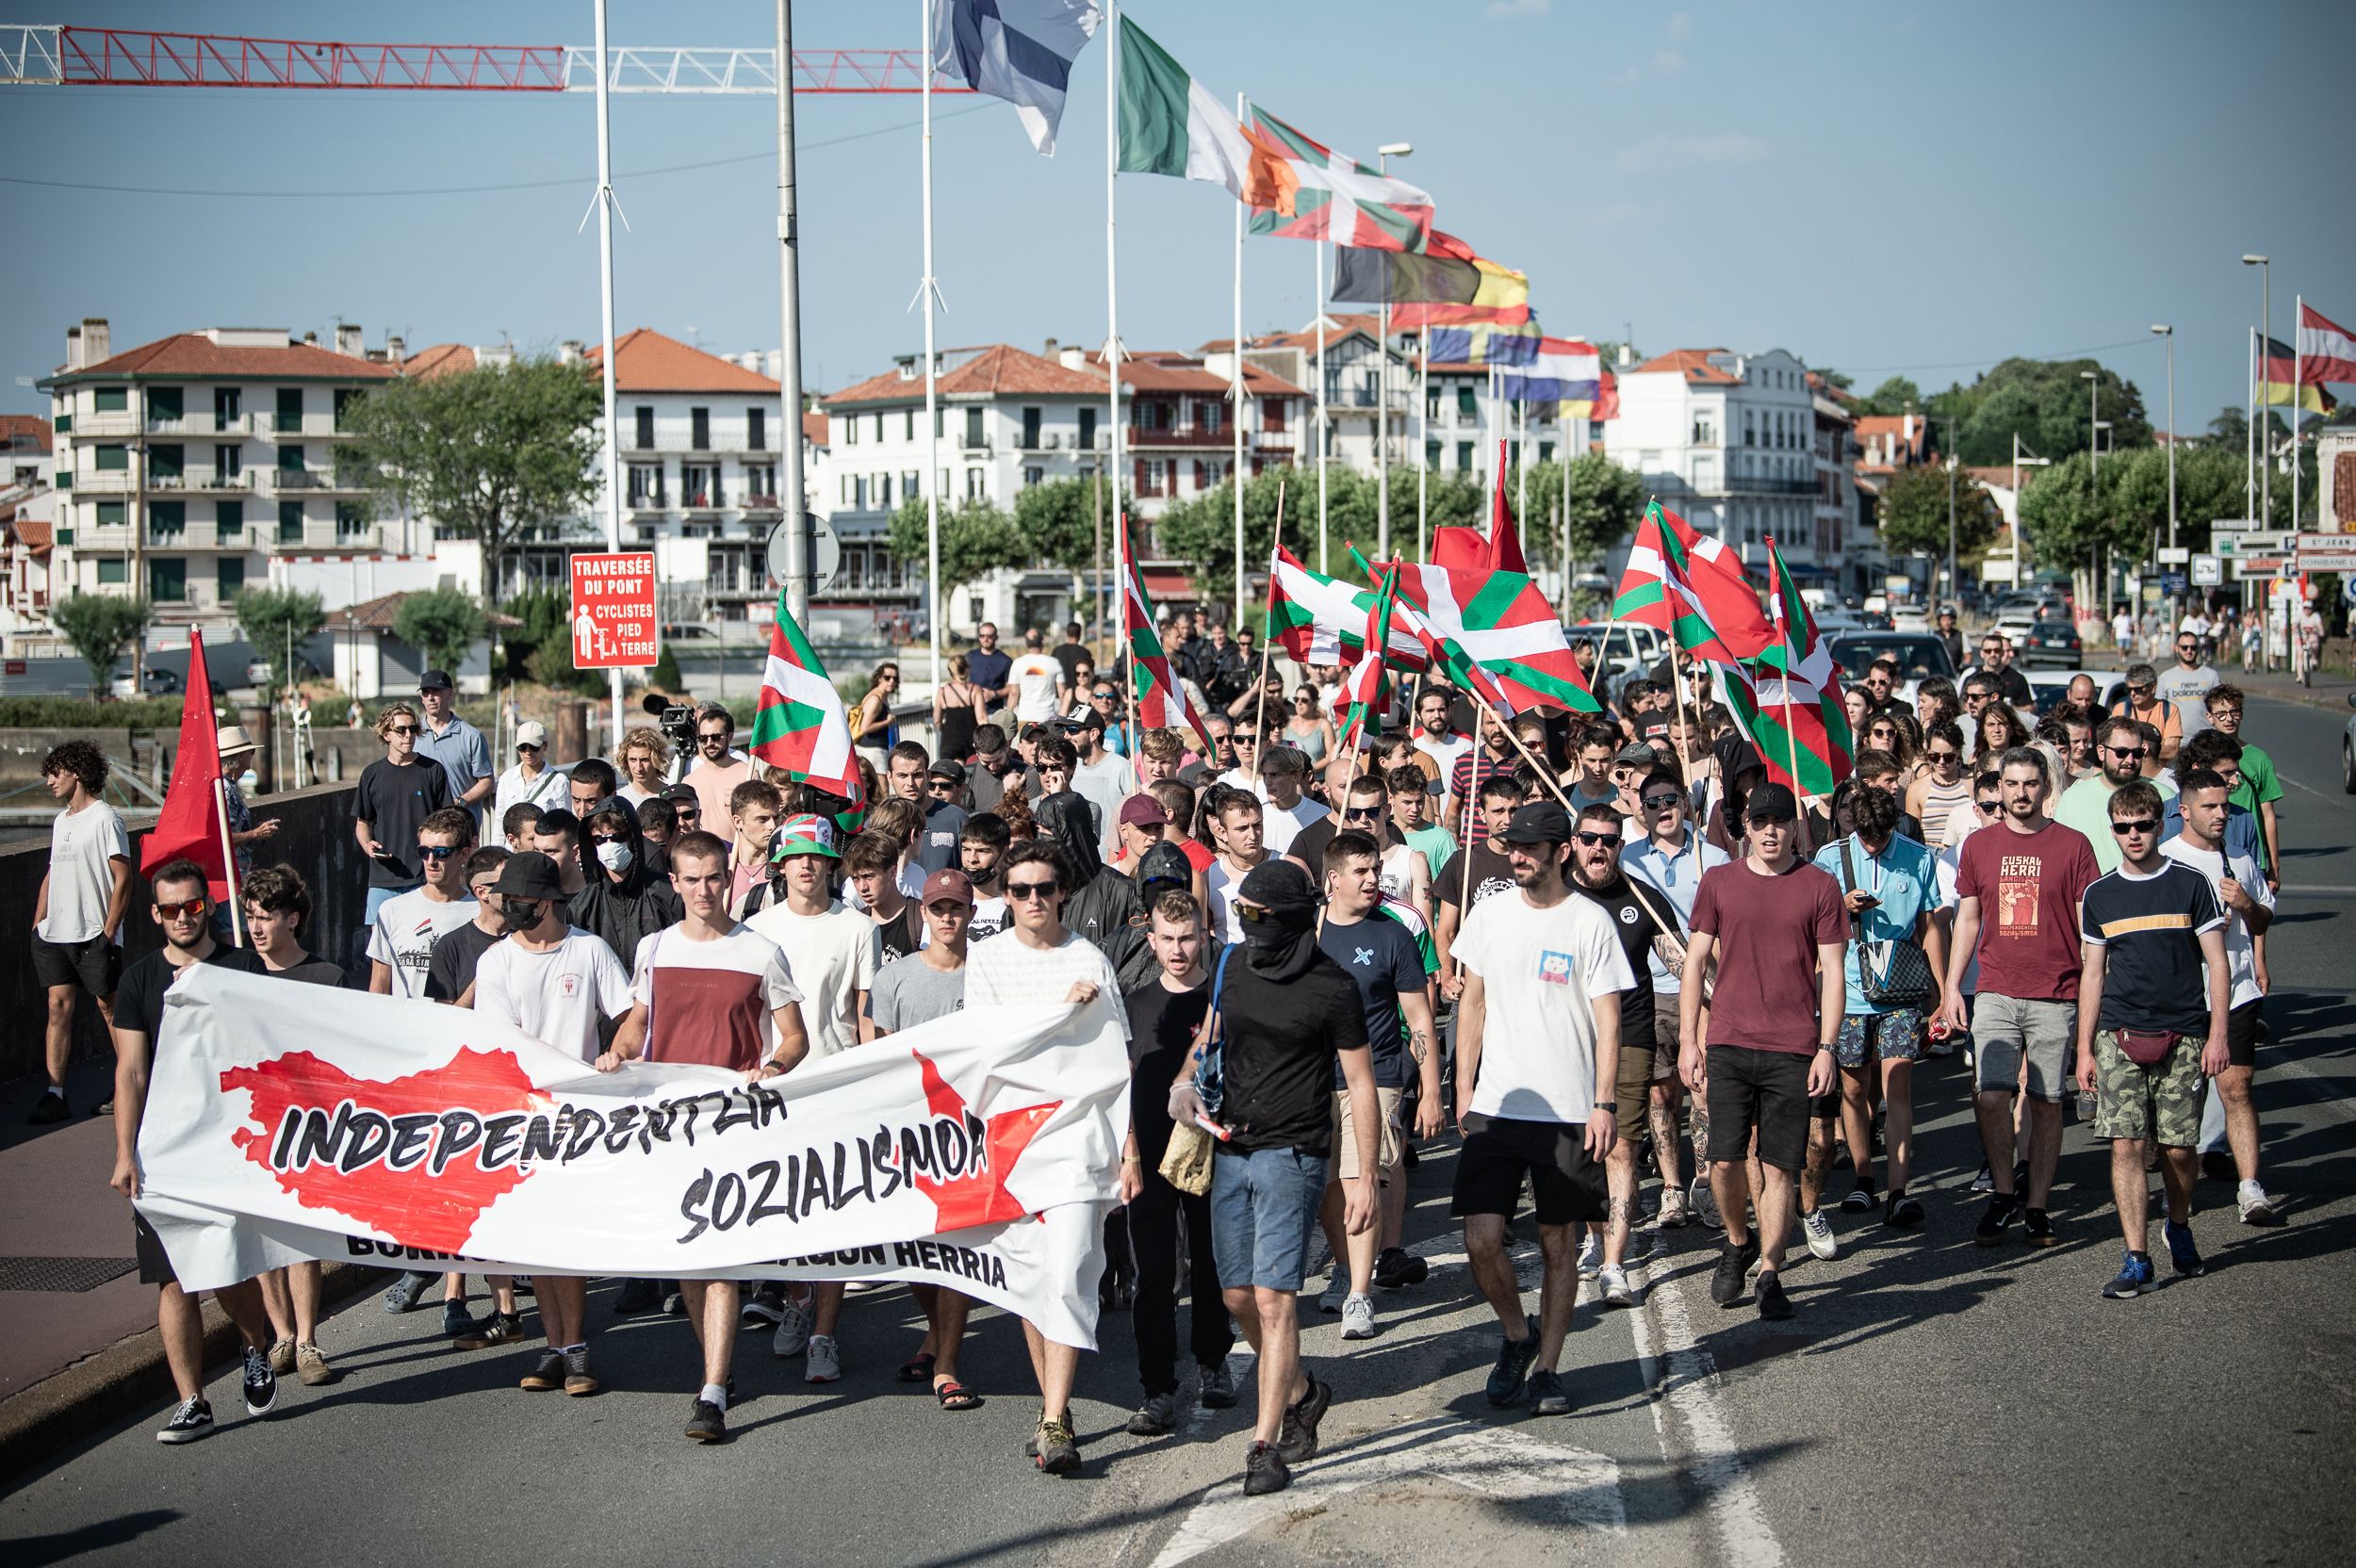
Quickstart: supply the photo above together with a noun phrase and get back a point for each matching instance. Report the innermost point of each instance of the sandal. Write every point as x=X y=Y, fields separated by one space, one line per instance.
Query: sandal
x=919 y=1369
x=954 y=1394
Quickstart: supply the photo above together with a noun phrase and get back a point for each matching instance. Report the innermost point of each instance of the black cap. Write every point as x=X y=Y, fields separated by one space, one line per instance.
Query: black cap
x=1636 y=752
x=1770 y=803
x=529 y=873
x=1541 y=821
x=683 y=792
x=1165 y=864
x=949 y=769
x=434 y=681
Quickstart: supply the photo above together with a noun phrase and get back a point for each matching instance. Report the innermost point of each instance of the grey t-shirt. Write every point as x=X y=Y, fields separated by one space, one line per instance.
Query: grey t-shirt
x=909 y=992
x=2189 y=690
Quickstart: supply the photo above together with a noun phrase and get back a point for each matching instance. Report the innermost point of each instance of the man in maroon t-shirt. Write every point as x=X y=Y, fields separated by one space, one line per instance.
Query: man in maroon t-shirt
x=1777 y=926
x=2016 y=891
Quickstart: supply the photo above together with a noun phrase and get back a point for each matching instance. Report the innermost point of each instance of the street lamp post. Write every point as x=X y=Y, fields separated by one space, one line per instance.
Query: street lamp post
x=2094 y=463
x=2169 y=334
x=1382 y=386
x=2265 y=349
x=2034 y=461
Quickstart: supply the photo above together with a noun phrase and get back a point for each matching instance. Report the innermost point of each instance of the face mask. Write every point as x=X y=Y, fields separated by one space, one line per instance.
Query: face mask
x=522 y=914
x=613 y=858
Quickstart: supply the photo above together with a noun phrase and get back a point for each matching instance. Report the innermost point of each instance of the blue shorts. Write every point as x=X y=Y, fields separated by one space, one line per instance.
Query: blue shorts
x=1892 y=1036
x=1264 y=1207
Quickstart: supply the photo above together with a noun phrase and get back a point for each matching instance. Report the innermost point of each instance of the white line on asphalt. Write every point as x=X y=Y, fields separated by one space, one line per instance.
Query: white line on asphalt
x=2326 y=1096
x=1711 y=1456
x=2313 y=890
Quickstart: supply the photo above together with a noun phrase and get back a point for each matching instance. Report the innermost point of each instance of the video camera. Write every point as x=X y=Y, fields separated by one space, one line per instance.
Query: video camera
x=677 y=720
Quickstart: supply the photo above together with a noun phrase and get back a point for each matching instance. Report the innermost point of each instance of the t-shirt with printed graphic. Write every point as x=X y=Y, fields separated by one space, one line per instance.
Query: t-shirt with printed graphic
x=1381 y=955
x=1492 y=874
x=711 y=1002
x=2149 y=927
x=2028 y=884
x=900 y=935
x=557 y=995
x=404 y=935
x=1635 y=929
x=1541 y=970
x=1768 y=930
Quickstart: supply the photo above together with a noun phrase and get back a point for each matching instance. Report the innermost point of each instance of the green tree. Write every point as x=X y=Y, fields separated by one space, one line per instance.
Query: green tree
x=977 y=538
x=1058 y=520
x=278 y=621
x=2208 y=486
x=1894 y=396
x=1914 y=515
x=484 y=453
x=547 y=616
x=2044 y=403
x=1607 y=503
x=444 y=624
x=101 y=628
x=2069 y=524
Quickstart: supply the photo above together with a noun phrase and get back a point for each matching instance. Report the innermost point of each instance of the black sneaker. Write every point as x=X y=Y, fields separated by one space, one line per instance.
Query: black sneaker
x=50 y=1107
x=2037 y=1228
x=1154 y=1417
x=456 y=1319
x=1774 y=1305
x=1397 y=1269
x=1218 y=1388
x=193 y=1420
x=547 y=1373
x=764 y=1308
x=1265 y=1471
x=637 y=1296
x=2002 y=1209
x=1514 y=1359
x=706 y=1423
x=1734 y=1268
x=1901 y=1210
x=1548 y=1395
x=1297 y=1440
x=261 y=1384
x=501 y=1328
x=1860 y=1198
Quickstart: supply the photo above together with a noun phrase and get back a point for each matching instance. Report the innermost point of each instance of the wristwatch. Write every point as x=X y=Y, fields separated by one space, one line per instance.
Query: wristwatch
x=1611 y=1106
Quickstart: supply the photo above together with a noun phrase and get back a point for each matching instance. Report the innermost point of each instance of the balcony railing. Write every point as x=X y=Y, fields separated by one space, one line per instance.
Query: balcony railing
x=115 y=421
x=241 y=481
x=762 y=504
x=104 y=481
x=180 y=424
x=166 y=481
x=1180 y=436
x=650 y=501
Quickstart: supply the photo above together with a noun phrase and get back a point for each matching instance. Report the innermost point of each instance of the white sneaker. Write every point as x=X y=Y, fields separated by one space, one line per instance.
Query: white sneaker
x=1357 y=1318
x=825 y=1363
x=2258 y=1207
x=1336 y=1289
x=1821 y=1240
x=792 y=1335
x=1617 y=1292
x=1590 y=1255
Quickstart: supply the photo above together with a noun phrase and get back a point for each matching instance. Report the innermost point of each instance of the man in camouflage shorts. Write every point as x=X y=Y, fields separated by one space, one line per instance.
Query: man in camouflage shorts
x=2151 y=1023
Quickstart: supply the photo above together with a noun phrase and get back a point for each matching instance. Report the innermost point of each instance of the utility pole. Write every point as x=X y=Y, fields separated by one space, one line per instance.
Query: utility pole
x=1954 y=581
x=2265 y=400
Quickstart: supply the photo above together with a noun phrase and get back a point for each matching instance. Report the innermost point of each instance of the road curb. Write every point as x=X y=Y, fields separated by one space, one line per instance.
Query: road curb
x=126 y=1377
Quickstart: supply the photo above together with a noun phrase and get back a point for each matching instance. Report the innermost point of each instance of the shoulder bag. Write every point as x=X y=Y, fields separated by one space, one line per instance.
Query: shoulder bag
x=1186 y=1162
x=1892 y=971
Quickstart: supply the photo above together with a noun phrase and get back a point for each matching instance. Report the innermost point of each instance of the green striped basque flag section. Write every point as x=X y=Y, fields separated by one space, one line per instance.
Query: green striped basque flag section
x=1322 y=620
x=1495 y=633
x=1690 y=585
x=1363 y=720
x=1787 y=701
x=800 y=727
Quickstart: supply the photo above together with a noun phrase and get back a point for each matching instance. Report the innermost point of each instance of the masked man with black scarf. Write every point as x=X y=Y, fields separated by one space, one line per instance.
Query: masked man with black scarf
x=1287 y=1014
x=1100 y=904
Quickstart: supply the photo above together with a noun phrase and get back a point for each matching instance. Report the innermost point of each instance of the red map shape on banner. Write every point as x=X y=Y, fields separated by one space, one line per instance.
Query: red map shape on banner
x=412 y=1207
x=979 y=1196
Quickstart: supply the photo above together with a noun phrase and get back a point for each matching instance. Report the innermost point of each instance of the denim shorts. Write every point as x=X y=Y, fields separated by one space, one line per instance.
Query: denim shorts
x=1264 y=1207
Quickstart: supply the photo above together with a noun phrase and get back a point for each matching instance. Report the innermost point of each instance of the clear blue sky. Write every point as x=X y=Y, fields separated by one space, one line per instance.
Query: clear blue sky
x=1884 y=188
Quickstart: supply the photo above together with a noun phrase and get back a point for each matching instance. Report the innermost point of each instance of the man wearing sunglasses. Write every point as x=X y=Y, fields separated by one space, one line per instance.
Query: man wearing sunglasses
x=2187 y=684
x=1997 y=667
x=397 y=793
x=2017 y=890
x=531 y=781
x=2142 y=703
x=1036 y=962
x=1670 y=857
x=2120 y=751
x=182 y=908
x=2156 y=986
x=449 y=740
x=405 y=927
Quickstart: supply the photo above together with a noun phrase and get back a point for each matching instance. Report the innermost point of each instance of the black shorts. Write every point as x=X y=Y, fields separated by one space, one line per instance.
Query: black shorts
x=95 y=965
x=1763 y=1089
x=154 y=1262
x=2244 y=1031
x=1498 y=1153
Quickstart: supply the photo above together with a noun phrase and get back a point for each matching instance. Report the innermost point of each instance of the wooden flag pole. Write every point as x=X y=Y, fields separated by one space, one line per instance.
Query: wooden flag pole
x=229 y=862
x=1790 y=736
x=1268 y=639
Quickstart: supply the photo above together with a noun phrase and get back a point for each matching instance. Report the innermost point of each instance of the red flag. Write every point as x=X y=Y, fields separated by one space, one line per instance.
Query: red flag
x=190 y=824
x=1505 y=539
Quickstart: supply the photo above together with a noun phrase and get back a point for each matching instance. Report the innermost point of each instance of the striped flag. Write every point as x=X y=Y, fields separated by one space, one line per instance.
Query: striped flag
x=1691 y=586
x=2326 y=353
x=1787 y=702
x=1561 y=370
x=1320 y=620
x=1374 y=210
x=800 y=727
x=1362 y=716
x=1019 y=50
x=1485 y=343
x=1162 y=703
x=1494 y=632
x=2280 y=386
x=1503 y=296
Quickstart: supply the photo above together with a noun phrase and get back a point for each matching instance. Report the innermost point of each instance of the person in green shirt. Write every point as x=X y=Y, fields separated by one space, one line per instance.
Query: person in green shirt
x=2260 y=788
x=2119 y=749
x=1411 y=813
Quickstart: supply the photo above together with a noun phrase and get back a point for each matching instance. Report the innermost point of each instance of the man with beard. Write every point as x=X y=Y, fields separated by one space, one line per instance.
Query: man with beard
x=1636 y=913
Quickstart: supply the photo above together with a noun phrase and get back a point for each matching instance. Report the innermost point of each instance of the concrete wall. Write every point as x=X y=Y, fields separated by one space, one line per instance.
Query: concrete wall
x=314 y=835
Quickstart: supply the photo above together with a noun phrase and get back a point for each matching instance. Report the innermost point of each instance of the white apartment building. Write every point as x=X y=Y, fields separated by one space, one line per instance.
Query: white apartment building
x=191 y=466
x=1845 y=543
x=1728 y=441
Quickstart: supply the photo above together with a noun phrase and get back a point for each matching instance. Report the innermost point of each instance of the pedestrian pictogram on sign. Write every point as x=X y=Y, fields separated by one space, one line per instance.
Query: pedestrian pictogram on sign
x=614 y=623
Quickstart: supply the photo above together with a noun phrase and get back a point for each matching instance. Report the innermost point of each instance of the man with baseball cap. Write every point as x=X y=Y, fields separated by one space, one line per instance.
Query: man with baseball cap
x=457 y=745
x=531 y=781
x=1140 y=824
x=1778 y=930
x=909 y=991
x=1101 y=779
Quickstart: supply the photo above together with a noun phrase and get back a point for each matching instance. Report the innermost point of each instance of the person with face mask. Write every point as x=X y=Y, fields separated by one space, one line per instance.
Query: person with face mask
x=1100 y=902
x=623 y=897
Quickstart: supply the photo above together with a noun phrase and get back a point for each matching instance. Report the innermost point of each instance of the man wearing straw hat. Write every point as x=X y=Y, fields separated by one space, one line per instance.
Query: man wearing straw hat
x=236 y=754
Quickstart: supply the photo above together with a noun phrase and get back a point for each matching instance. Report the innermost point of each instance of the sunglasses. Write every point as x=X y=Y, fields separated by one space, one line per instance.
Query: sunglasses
x=2124 y=752
x=687 y=813
x=1660 y=802
x=1989 y=808
x=437 y=852
x=526 y=745
x=1592 y=839
x=1027 y=890
x=402 y=730
x=710 y=735
x=2187 y=643
x=1947 y=755
x=2138 y=824
x=938 y=786
x=605 y=838
x=1362 y=813
x=182 y=909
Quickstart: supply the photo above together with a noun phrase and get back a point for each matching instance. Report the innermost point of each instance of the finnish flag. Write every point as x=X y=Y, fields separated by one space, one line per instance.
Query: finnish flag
x=1019 y=50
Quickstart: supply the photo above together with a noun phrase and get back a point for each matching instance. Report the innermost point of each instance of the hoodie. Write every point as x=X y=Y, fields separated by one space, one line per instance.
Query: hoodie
x=1102 y=905
x=625 y=910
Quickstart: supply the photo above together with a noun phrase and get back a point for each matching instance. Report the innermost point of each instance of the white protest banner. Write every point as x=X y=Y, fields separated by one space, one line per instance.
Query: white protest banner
x=978 y=1152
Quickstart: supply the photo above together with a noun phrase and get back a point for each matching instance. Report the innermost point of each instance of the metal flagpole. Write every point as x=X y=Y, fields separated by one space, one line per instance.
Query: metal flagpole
x=927 y=293
x=1521 y=468
x=2250 y=432
x=1381 y=433
x=1563 y=439
x=1238 y=393
x=1325 y=565
x=1423 y=441
x=605 y=304
x=1268 y=643
x=2298 y=647
x=796 y=497
x=1112 y=273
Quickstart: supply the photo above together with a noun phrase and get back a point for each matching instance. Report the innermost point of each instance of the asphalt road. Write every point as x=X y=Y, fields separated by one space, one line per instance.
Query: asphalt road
x=1933 y=1402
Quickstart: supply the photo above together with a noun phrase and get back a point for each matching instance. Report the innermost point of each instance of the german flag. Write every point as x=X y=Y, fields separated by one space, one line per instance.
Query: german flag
x=2278 y=383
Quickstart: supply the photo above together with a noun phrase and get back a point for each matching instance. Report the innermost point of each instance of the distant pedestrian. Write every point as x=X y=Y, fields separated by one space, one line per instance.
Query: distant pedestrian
x=78 y=913
x=395 y=794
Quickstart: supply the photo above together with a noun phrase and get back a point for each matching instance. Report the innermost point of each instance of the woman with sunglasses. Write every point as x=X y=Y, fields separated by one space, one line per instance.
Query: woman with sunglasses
x=1307 y=730
x=1941 y=786
x=873 y=731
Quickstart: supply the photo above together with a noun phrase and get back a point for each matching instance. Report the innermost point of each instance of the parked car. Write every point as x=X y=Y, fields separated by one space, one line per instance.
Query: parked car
x=1627 y=650
x=1919 y=656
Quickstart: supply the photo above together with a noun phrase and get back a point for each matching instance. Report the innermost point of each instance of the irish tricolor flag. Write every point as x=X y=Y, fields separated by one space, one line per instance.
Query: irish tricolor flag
x=800 y=727
x=1171 y=123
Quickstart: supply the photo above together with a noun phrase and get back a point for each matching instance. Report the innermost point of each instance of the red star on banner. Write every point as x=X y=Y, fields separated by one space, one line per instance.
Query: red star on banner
x=980 y=1195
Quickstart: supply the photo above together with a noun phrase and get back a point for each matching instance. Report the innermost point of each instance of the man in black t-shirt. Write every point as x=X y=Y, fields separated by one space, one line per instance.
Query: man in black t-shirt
x=1165 y=1014
x=396 y=793
x=1472 y=874
x=450 y=972
x=1287 y=1013
x=1596 y=876
x=181 y=905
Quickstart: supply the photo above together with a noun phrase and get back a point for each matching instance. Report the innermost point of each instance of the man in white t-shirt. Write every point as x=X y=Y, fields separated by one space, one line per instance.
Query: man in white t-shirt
x=1286 y=810
x=1239 y=825
x=1101 y=779
x=554 y=981
x=1040 y=691
x=1534 y=1094
x=1433 y=737
x=77 y=915
x=1035 y=962
x=712 y=992
x=401 y=936
x=831 y=948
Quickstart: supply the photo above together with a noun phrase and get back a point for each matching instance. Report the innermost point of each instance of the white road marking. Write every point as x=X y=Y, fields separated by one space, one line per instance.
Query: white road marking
x=1582 y=1487
x=1710 y=1455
